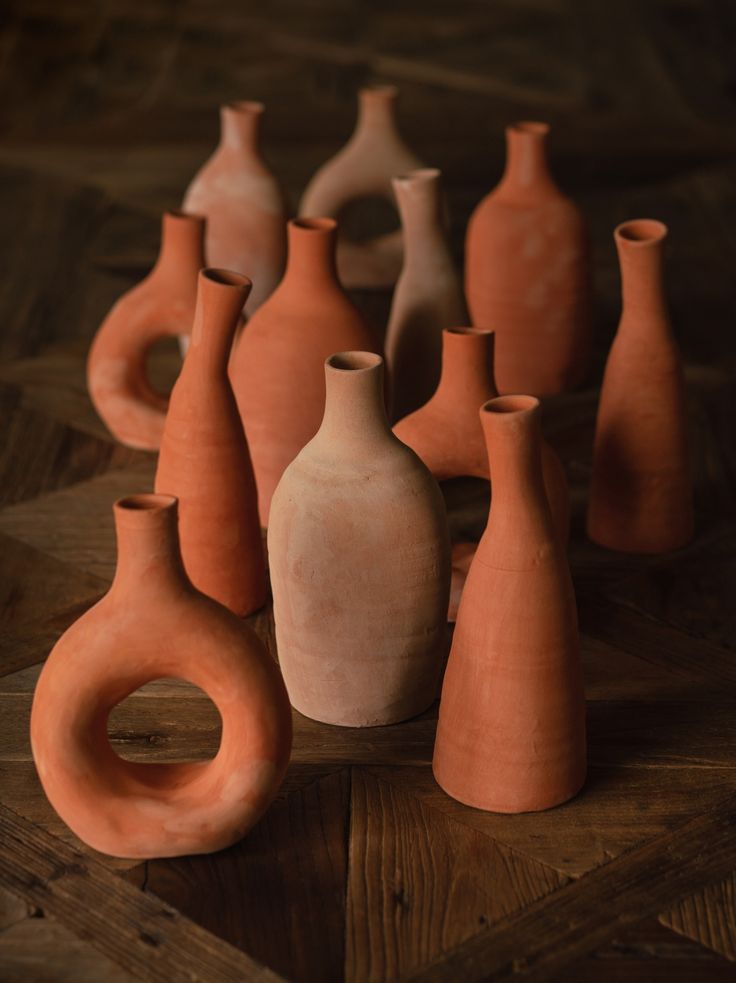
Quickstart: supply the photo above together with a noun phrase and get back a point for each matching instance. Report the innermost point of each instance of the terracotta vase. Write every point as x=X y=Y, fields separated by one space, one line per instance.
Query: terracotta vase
x=154 y=624
x=161 y=306
x=446 y=433
x=364 y=169
x=527 y=273
x=428 y=295
x=204 y=458
x=511 y=731
x=360 y=562
x=277 y=369
x=641 y=498
x=245 y=206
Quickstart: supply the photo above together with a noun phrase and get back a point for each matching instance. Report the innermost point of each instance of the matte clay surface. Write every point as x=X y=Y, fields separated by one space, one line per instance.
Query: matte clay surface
x=245 y=206
x=359 y=555
x=277 y=369
x=153 y=623
x=161 y=306
x=641 y=497
x=428 y=295
x=364 y=168
x=511 y=730
x=526 y=273
x=205 y=461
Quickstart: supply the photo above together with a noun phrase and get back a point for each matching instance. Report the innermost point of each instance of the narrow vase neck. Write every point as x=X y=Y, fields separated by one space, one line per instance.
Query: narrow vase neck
x=640 y=246
x=221 y=296
x=467 y=366
x=377 y=112
x=526 y=172
x=311 y=250
x=355 y=415
x=240 y=124
x=149 y=557
x=419 y=200
x=181 y=255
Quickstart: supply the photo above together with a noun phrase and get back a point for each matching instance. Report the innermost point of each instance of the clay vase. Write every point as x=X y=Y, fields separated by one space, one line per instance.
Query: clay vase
x=446 y=433
x=204 y=458
x=511 y=730
x=527 y=273
x=245 y=206
x=428 y=295
x=153 y=624
x=277 y=369
x=360 y=562
x=161 y=306
x=364 y=169
x=641 y=497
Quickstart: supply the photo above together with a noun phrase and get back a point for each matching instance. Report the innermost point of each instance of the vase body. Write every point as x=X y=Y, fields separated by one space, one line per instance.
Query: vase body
x=205 y=461
x=446 y=432
x=153 y=624
x=360 y=563
x=161 y=306
x=277 y=369
x=527 y=273
x=641 y=492
x=511 y=731
x=428 y=296
x=364 y=169
x=245 y=206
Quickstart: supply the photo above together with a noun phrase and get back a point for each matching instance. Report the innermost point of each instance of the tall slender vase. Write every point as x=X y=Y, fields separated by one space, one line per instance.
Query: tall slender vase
x=364 y=169
x=277 y=369
x=152 y=624
x=245 y=206
x=161 y=306
x=511 y=732
x=428 y=295
x=527 y=273
x=360 y=562
x=204 y=458
x=641 y=497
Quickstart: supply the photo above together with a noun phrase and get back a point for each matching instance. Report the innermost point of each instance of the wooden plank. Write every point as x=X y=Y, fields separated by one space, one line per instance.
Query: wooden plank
x=421 y=883
x=708 y=916
x=578 y=918
x=141 y=934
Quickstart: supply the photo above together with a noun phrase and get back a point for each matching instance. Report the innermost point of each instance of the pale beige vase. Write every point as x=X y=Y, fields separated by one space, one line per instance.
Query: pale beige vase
x=359 y=553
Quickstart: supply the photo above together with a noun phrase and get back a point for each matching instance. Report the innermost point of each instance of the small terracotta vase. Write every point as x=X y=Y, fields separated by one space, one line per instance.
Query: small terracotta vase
x=511 y=731
x=641 y=497
x=152 y=624
x=245 y=206
x=277 y=369
x=527 y=273
x=364 y=169
x=360 y=562
x=428 y=295
x=204 y=458
x=446 y=433
x=161 y=306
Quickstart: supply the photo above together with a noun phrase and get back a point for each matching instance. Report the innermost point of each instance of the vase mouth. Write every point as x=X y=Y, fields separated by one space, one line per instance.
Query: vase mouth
x=226 y=278
x=473 y=332
x=248 y=107
x=530 y=126
x=181 y=215
x=419 y=174
x=354 y=361
x=641 y=231
x=320 y=224
x=145 y=502
x=508 y=405
x=379 y=90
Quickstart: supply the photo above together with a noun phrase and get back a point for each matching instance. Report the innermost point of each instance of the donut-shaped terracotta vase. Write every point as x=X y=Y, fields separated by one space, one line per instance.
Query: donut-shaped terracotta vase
x=364 y=168
x=153 y=623
x=160 y=306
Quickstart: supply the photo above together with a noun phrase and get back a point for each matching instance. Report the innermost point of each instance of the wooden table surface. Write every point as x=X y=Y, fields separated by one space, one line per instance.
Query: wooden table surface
x=363 y=869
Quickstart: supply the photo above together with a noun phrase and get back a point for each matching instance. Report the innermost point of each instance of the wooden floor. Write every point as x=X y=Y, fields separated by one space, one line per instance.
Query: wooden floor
x=363 y=869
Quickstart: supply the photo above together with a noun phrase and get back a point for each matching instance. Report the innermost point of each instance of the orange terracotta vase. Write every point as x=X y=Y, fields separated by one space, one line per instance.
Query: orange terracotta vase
x=204 y=458
x=245 y=206
x=161 y=306
x=428 y=295
x=641 y=497
x=446 y=433
x=511 y=731
x=277 y=369
x=360 y=562
x=154 y=624
x=527 y=273
x=364 y=169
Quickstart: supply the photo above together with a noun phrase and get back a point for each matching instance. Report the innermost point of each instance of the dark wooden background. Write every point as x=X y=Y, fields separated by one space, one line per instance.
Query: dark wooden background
x=363 y=869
